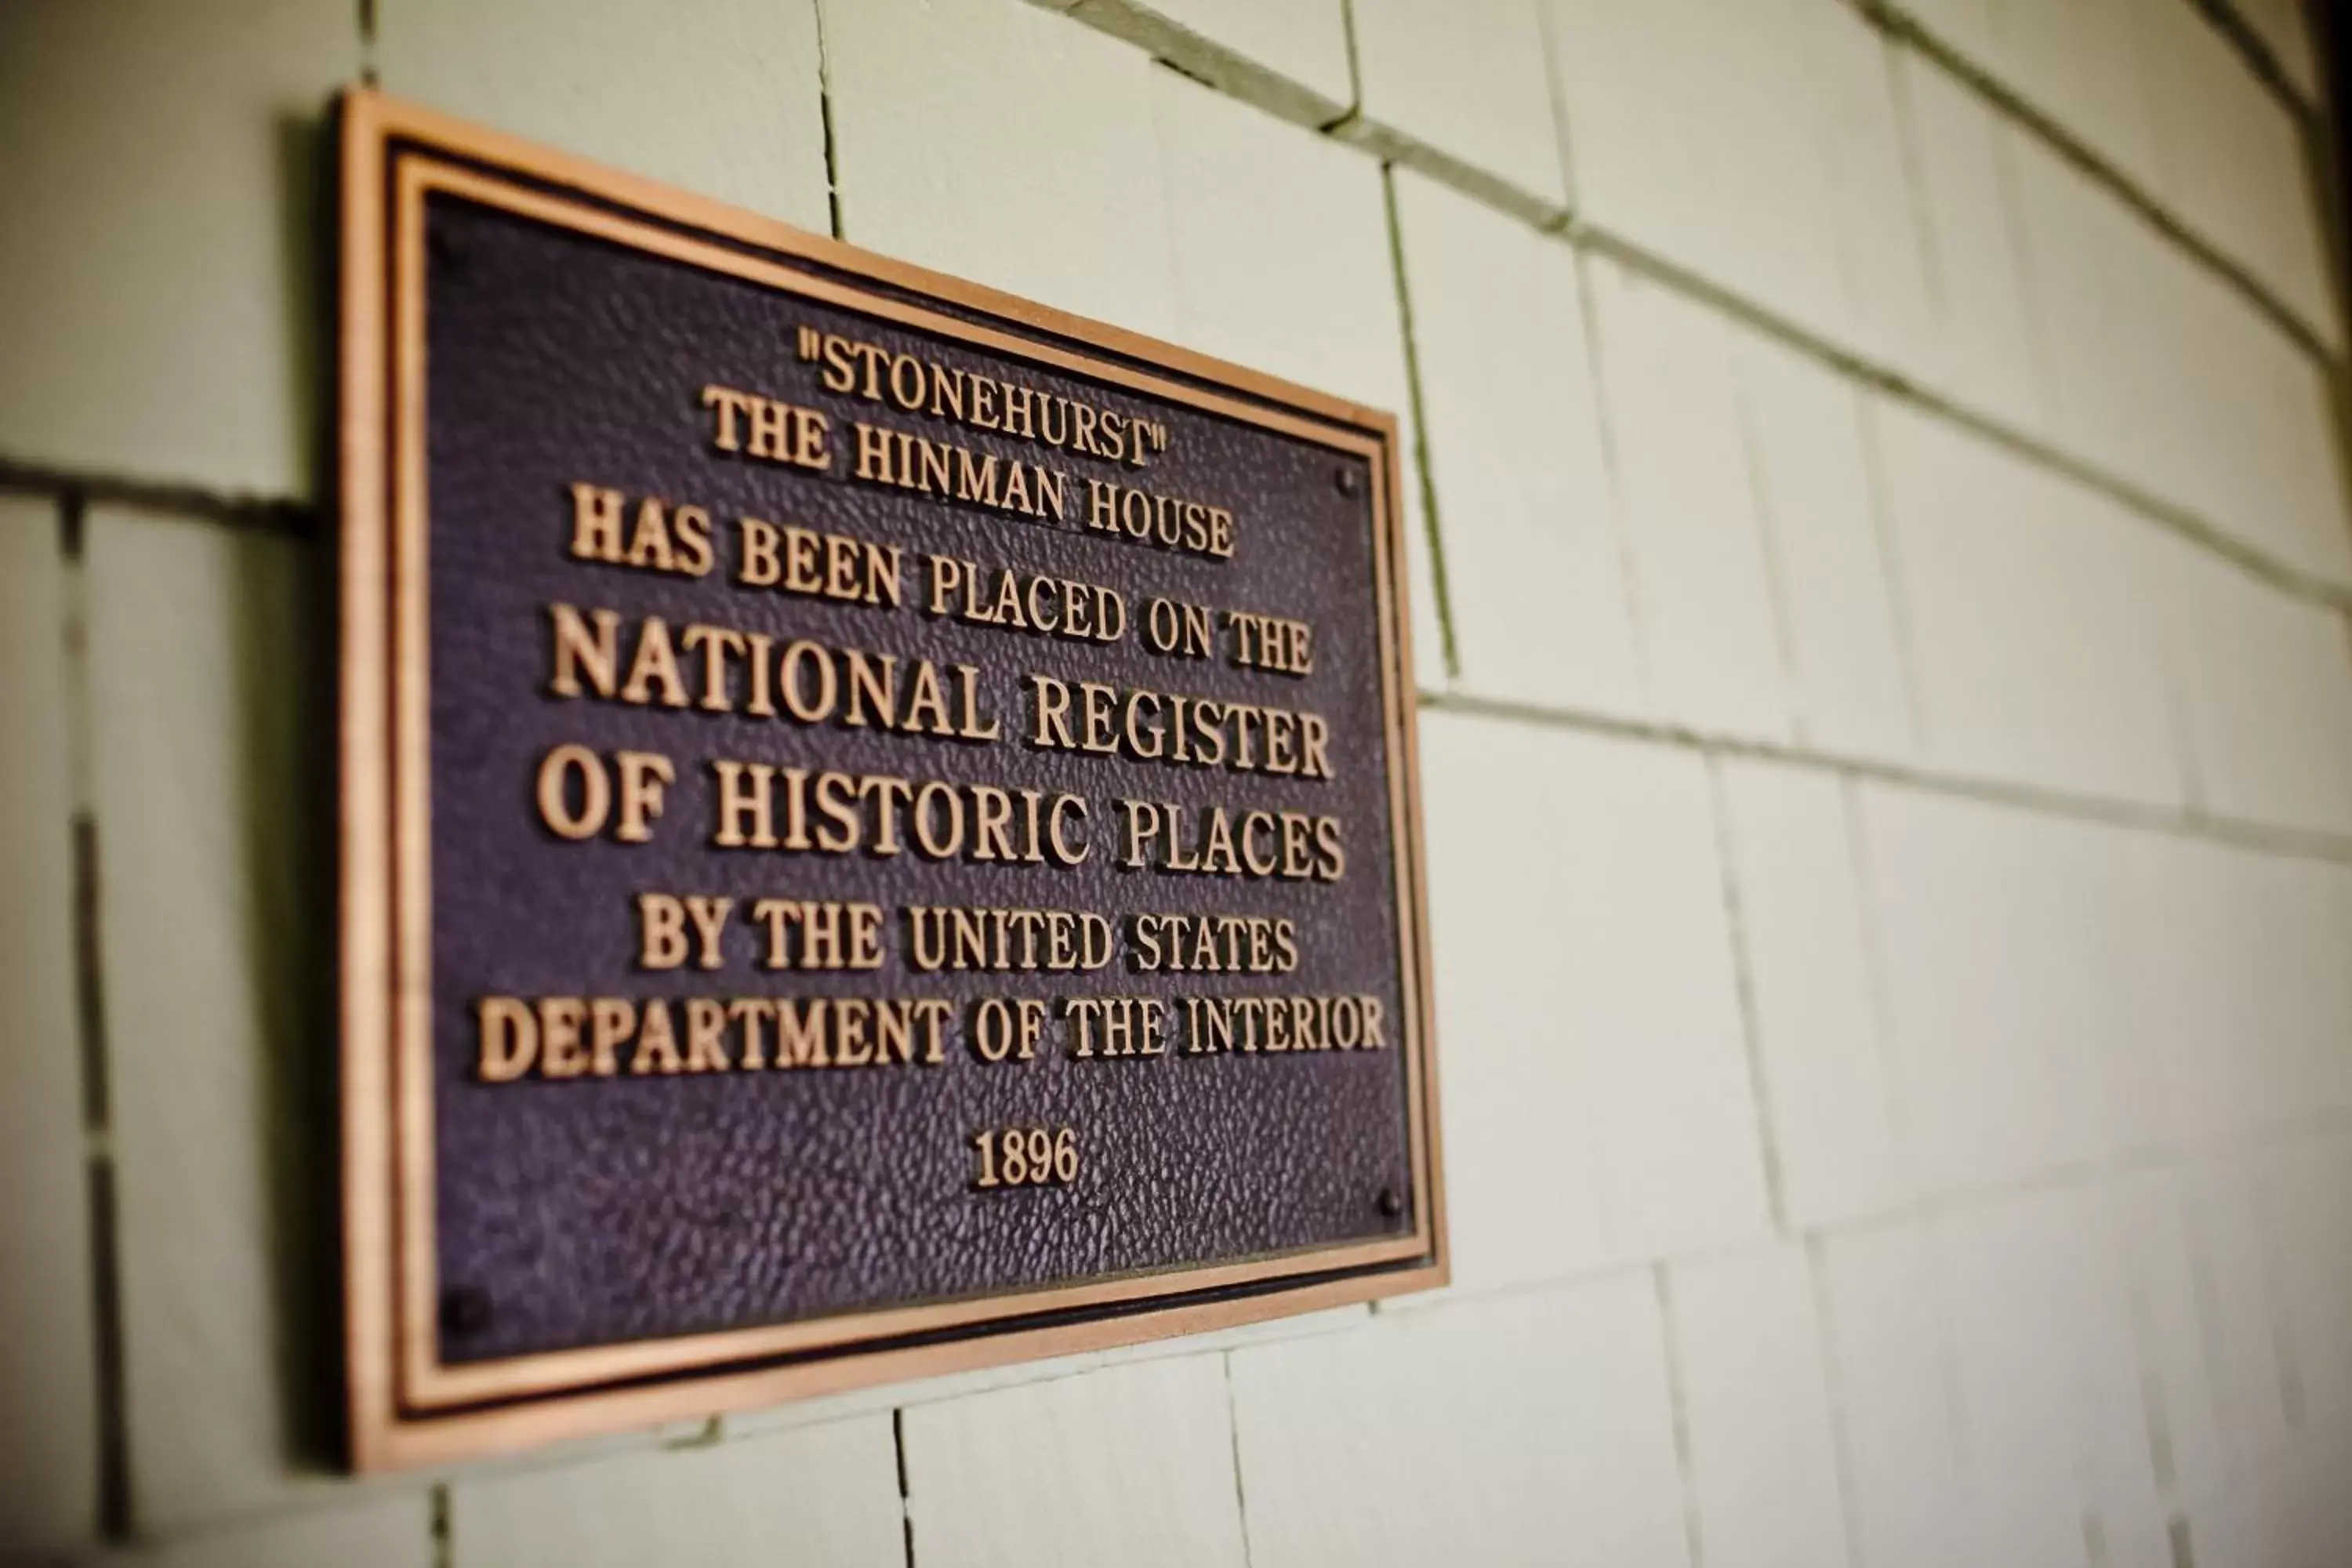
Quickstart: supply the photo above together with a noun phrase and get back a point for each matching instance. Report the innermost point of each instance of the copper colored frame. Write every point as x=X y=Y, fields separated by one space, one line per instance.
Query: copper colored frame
x=406 y=1407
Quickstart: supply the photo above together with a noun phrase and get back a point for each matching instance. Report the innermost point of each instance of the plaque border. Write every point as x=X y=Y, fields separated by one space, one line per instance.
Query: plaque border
x=404 y=1406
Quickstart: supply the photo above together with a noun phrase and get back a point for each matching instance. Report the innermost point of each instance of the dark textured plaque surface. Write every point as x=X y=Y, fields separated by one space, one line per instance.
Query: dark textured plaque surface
x=598 y=1211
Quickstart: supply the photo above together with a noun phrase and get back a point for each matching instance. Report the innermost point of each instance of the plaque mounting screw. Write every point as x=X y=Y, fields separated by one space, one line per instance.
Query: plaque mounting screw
x=1389 y=1204
x=466 y=1309
x=448 y=248
x=1345 y=479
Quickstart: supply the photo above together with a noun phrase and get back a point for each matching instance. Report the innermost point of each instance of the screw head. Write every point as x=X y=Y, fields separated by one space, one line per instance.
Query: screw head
x=448 y=248
x=1345 y=477
x=1390 y=1204
x=466 y=1309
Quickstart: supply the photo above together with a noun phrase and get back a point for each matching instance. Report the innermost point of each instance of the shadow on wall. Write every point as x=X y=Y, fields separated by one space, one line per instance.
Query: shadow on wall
x=285 y=666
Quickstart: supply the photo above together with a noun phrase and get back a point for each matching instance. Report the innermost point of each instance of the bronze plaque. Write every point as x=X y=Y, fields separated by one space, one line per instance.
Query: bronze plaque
x=878 y=819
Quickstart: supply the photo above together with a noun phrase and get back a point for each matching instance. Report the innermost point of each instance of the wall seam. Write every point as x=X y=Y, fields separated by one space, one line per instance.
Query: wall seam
x=2176 y=673
x=1234 y=1429
x=2292 y=1399
x=1886 y=1050
x=2054 y=134
x=2255 y=52
x=2047 y=800
x=1678 y=1413
x=174 y=501
x=1620 y=522
x=2179 y=1157
x=1833 y=1387
x=366 y=20
x=2162 y=1455
x=116 y=1498
x=2205 y=1297
x=1563 y=141
x=2179 y=521
x=1918 y=188
x=1766 y=517
x=1424 y=471
x=1752 y=1028
x=1887 y=532
x=2024 y=267
x=824 y=116
x=1355 y=66
x=906 y=1493
x=2176 y=1536
x=1946 y=1349
x=1395 y=147
x=1221 y=69
x=1922 y=1212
